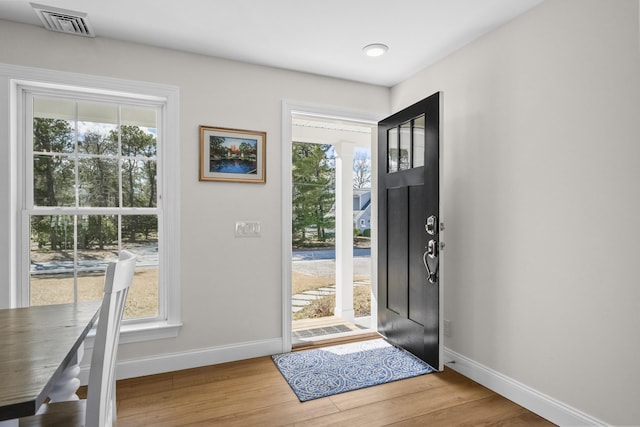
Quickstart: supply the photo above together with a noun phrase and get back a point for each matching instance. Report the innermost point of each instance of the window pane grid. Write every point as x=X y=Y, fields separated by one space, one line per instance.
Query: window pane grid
x=93 y=193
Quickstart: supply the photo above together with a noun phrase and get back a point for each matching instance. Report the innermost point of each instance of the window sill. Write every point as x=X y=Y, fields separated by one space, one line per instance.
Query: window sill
x=140 y=332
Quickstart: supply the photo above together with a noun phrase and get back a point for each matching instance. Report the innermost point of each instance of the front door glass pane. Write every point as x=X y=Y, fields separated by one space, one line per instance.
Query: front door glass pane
x=392 y=150
x=405 y=146
x=418 y=141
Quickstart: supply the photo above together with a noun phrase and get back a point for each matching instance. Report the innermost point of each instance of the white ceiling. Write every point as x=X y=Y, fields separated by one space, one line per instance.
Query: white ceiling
x=323 y=37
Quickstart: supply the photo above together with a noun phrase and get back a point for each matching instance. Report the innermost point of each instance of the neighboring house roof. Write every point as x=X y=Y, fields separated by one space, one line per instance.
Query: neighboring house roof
x=361 y=200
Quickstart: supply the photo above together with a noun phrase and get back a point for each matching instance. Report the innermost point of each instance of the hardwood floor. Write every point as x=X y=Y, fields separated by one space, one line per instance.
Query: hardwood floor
x=253 y=393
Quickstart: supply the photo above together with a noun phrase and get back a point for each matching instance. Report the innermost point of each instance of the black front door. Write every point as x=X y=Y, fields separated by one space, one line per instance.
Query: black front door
x=409 y=227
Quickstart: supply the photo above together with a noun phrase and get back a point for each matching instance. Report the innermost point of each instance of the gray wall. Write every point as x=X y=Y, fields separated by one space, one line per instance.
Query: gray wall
x=542 y=170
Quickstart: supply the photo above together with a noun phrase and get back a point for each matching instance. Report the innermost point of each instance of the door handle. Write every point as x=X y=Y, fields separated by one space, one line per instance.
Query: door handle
x=431 y=254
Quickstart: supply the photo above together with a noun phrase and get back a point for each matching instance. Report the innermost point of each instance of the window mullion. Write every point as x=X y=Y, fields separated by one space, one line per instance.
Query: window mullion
x=120 y=198
x=119 y=124
x=75 y=259
x=75 y=156
x=77 y=203
x=92 y=211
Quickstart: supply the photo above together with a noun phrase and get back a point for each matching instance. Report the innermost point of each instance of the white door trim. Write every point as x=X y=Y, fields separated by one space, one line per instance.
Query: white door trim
x=289 y=108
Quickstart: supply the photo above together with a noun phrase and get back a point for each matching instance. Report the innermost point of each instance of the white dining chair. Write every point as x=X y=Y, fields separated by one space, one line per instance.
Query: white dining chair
x=98 y=410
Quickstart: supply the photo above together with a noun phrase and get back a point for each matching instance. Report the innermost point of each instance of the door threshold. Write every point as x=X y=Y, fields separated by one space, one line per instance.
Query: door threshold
x=329 y=340
x=307 y=332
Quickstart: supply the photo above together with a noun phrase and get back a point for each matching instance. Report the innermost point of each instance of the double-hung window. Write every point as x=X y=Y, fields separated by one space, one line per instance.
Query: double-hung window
x=92 y=181
x=91 y=192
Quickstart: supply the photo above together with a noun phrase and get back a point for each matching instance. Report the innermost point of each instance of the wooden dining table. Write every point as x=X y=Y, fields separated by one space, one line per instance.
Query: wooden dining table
x=40 y=351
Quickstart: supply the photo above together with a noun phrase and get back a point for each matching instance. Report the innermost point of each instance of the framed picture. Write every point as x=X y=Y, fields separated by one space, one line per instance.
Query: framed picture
x=232 y=155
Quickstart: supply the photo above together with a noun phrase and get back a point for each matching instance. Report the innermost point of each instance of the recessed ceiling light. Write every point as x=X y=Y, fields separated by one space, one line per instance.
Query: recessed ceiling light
x=376 y=49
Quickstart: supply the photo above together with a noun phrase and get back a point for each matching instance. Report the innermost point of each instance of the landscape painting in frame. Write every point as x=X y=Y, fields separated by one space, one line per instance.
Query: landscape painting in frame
x=232 y=155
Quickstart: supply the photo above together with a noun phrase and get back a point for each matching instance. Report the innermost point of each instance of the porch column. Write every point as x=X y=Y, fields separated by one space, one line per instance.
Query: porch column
x=344 y=231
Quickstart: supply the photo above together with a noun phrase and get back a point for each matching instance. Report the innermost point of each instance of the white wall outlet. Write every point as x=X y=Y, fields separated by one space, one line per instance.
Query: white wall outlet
x=248 y=229
x=447 y=328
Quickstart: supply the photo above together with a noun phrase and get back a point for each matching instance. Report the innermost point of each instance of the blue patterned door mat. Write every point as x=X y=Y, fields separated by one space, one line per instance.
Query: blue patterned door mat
x=331 y=370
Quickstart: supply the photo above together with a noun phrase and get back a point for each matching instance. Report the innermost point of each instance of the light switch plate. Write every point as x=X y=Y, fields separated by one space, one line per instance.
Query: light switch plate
x=248 y=229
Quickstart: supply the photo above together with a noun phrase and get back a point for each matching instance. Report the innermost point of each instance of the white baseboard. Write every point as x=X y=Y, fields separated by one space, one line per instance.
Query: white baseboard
x=189 y=359
x=539 y=403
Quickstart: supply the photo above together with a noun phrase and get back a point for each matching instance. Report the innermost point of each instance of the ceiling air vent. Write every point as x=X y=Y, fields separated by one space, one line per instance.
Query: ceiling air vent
x=64 y=21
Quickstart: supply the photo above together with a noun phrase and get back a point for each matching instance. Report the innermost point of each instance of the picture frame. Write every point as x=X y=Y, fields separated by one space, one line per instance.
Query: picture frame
x=232 y=155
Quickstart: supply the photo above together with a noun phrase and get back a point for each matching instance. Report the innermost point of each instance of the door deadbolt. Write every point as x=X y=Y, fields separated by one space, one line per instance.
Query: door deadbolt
x=431 y=226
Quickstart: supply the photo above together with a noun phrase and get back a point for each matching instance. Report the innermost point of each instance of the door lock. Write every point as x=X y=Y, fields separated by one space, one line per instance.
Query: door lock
x=431 y=227
x=432 y=249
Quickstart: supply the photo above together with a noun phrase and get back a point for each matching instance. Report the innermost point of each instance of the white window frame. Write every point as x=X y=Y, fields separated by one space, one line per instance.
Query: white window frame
x=21 y=80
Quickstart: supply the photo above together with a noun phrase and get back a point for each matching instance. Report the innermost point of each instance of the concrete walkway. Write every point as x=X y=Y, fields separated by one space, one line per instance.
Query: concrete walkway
x=323 y=263
x=301 y=300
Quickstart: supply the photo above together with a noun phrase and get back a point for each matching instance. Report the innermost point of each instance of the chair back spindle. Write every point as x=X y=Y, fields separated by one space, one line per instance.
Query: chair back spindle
x=101 y=389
